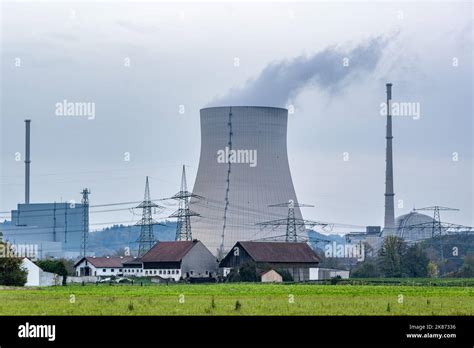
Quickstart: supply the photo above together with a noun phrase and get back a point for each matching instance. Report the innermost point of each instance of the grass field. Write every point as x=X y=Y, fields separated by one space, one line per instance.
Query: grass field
x=253 y=299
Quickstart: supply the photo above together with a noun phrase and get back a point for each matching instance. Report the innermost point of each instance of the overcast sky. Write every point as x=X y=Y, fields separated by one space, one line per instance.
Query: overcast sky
x=141 y=63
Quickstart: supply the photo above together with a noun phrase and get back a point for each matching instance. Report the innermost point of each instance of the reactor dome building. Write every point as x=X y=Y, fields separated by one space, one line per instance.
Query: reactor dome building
x=414 y=226
x=243 y=169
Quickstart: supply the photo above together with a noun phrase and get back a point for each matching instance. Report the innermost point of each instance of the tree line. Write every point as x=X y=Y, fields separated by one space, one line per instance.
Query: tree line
x=396 y=259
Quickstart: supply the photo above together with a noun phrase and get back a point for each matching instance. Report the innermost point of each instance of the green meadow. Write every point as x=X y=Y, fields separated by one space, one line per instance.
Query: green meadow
x=238 y=299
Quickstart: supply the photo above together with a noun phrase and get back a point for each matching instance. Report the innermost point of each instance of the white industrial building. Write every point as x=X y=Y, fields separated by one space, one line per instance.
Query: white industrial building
x=327 y=273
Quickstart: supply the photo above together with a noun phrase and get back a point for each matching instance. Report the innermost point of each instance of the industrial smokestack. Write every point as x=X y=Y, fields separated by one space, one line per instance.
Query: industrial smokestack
x=27 y=161
x=389 y=223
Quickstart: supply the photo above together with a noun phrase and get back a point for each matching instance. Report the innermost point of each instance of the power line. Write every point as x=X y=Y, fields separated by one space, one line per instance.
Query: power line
x=72 y=205
x=147 y=238
x=183 y=226
x=291 y=221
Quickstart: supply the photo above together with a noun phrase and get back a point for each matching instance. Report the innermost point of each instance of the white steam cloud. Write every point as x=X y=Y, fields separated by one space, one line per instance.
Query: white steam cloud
x=330 y=69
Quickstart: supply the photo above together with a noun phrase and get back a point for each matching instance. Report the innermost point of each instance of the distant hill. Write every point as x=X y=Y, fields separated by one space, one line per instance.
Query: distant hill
x=319 y=240
x=110 y=239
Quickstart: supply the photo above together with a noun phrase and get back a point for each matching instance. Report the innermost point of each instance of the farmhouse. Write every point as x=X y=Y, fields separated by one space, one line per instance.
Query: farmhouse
x=180 y=259
x=101 y=266
x=133 y=268
x=295 y=258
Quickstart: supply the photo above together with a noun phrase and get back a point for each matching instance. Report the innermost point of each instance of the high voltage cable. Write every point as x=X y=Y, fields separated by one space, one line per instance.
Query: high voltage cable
x=207 y=202
x=90 y=206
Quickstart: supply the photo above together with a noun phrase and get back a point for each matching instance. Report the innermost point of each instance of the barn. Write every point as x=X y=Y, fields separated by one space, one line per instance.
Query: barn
x=296 y=258
x=179 y=260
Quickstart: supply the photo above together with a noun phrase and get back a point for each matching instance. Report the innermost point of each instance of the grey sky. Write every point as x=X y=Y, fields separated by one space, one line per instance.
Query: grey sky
x=184 y=54
x=329 y=69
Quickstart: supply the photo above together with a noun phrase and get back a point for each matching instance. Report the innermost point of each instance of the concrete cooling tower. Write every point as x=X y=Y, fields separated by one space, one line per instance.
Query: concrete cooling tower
x=243 y=168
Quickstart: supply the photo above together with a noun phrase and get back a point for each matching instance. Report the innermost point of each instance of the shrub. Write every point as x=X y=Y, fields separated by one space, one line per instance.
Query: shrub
x=248 y=273
x=366 y=269
x=11 y=272
x=54 y=266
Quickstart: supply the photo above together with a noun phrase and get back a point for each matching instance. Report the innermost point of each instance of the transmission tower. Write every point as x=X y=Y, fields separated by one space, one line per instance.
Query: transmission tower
x=85 y=220
x=436 y=227
x=147 y=237
x=291 y=222
x=183 y=214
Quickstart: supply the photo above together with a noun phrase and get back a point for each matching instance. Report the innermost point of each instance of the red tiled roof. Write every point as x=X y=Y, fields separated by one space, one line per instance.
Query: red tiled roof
x=168 y=251
x=107 y=262
x=280 y=252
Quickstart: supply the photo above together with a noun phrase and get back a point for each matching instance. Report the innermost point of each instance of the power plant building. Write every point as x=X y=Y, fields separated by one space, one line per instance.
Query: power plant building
x=413 y=227
x=51 y=229
x=243 y=169
x=55 y=228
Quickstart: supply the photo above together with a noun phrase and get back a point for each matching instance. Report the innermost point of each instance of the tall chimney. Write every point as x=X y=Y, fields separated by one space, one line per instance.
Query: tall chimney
x=27 y=161
x=389 y=223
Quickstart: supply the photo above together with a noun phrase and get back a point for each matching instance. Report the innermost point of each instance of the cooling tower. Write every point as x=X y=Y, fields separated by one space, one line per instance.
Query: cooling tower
x=243 y=168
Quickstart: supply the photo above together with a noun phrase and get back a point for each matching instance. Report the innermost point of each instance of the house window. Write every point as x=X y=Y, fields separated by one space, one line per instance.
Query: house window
x=160 y=272
x=103 y=269
x=154 y=272
x=169 y=272
x=120 y=270
x=112 y=270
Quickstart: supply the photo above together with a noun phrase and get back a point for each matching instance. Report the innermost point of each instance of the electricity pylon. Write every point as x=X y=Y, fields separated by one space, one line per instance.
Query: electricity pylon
x=436 y=229
x=291 y=222
x=85 y=221
x=183 y=214
x=147 y=237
